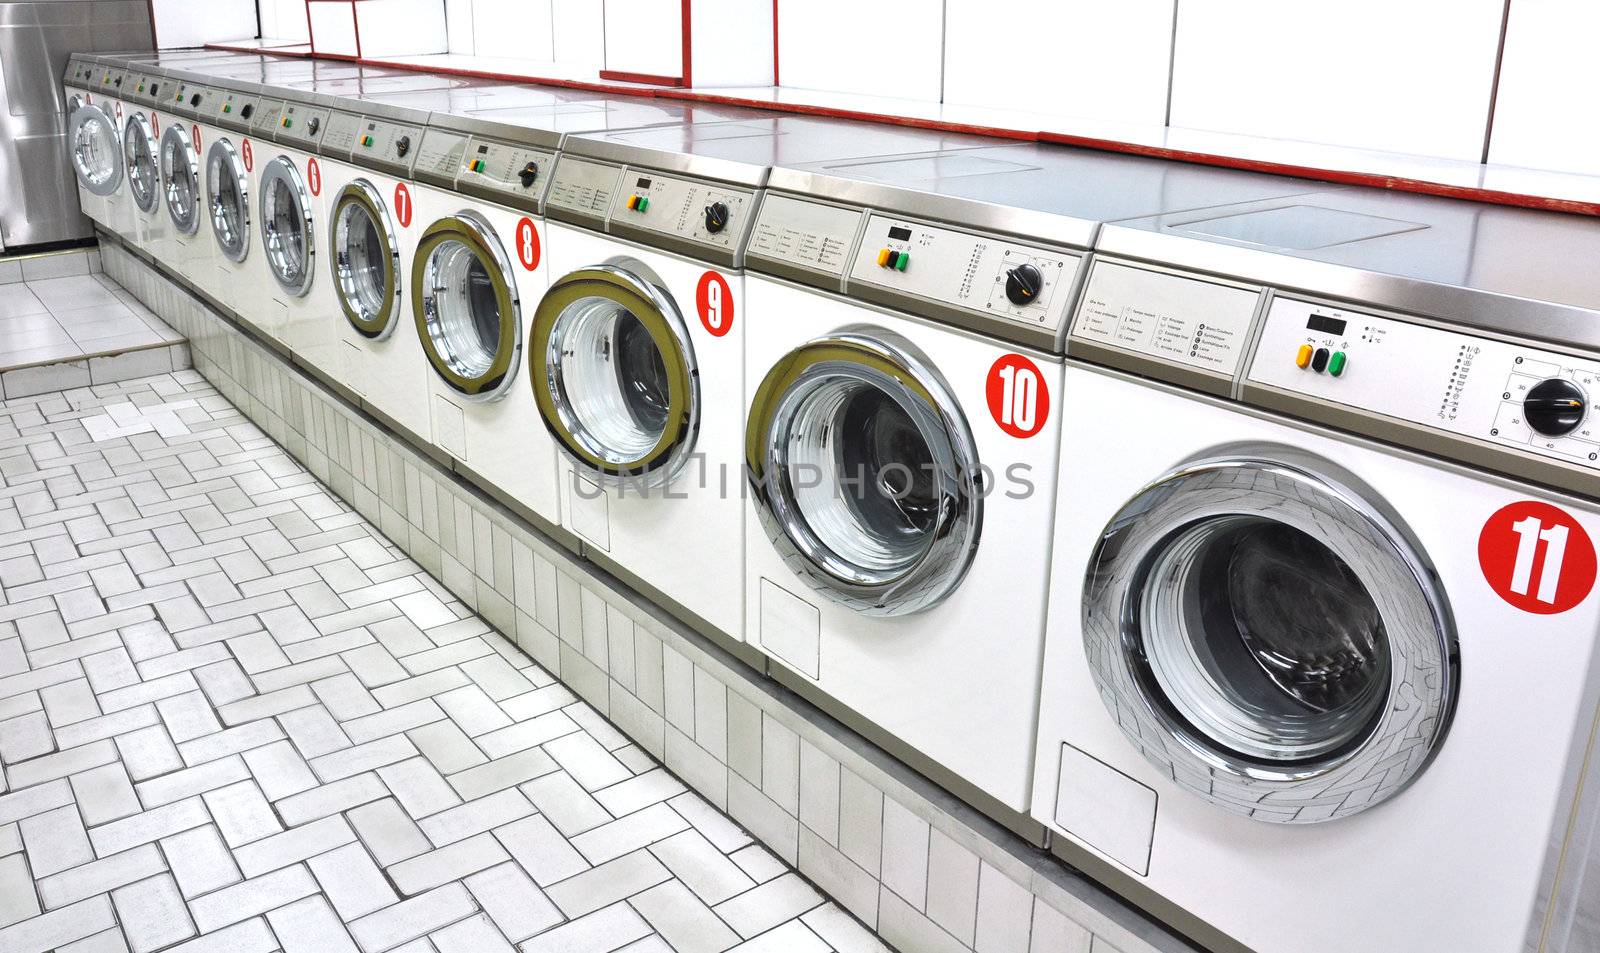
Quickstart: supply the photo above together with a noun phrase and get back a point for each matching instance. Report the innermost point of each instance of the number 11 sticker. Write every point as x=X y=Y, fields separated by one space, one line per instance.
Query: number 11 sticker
x=1537 y=557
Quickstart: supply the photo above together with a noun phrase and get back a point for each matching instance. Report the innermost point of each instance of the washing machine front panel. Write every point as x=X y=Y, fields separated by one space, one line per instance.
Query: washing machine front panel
x=466 y=306
x=140 y=151
x=96 y=146
x=228 y=199
x=865 y=472
x=180 y=173
x=613 y=370
x=1270 y=639
x=366 y=260
x=288 y=226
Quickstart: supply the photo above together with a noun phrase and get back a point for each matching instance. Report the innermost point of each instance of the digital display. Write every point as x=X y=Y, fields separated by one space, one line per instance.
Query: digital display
x=900 y=234
x=642 y=184
x=483 y=150
x=1323 y=324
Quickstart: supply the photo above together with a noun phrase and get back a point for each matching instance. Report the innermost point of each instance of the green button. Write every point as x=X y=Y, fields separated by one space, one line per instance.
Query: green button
x=644 y=203
x=366 y=140
x=1336 y=363
x=227 y=107
x=901 y=262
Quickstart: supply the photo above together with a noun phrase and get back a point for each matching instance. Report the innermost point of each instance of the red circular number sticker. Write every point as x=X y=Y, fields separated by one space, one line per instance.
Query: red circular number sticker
x=1537 y=557
x=118 y=110
x=714 y=300
x=314 y=175
x=1019 y=401
x=155 y=121
x=402 y=204
x=527 y=244
x=248 y=154
x=195 y=129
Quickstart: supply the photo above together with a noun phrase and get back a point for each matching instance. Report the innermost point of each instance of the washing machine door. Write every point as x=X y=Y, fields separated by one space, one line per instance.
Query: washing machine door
x=139 y=151
x=180 y=170
x=865 y=472
x=228 y=199
x=614 y=374
x=96 y=148
x=466 y=307
x=287 y=226
x=366 y=260
x=1270 y=639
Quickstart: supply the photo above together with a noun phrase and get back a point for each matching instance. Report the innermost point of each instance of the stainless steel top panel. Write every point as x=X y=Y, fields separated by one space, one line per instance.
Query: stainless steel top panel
x=547 y=123
x=1055 y=193
x=741 y=145
x=1494 y=268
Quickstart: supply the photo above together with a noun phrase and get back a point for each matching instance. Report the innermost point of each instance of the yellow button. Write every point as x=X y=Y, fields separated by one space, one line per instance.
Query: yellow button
x=1302 y=359
x=883 y=258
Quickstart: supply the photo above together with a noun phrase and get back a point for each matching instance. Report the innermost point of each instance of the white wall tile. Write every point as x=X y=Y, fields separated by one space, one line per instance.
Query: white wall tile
x=1409 y=77
x=333 y=26
x=952 y=887
x=905 y=853
x=183 y=23
x=880 y=49
x=284 y=20
x=731 y=43
x=1540 y=120
x=522 y=29
x=644 y=36
x=1070 y=57
x=578 y=28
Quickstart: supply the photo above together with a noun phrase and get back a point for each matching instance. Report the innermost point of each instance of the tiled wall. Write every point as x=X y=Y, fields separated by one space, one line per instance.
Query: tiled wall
x=911 y=862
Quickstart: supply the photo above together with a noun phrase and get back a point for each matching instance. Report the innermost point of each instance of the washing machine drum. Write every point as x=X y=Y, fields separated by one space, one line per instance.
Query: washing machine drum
x=180 y=170
x=228 y=199
x=287 y=222
x=1270 y=640
x=614 y=374
x=465 y=303
x=96 y=148
x=366 y=260
x=865 y=472
x=139 y=151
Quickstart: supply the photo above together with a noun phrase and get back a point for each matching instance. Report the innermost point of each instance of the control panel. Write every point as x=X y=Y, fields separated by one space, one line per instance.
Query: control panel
x=301 y=124
x=439 y=156
x=582 y=188
x=147 y=90
x=978 y=274
x=704 y=213
x=339 y=136
x=1200 y=324
x=386 y=144
x=269 y=113
x=517 y=172
x=807 y=235
x=111 y=81
x=80 y=75
x=233 y=108
x=1504 y=393
x=177 y=97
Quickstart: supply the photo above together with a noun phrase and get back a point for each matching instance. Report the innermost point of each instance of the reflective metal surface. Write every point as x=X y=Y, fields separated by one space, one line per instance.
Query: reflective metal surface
x=287 y=228
x=366 y=260
x=96 y=148
x=228 y=199
x=180 y=171
x=1270 y=640
x=466 y=307
x=865 y=473
x=139 y=162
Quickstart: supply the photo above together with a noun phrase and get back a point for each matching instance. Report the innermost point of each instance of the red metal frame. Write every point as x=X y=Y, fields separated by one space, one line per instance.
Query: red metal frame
x=775 y=43
x=1371 y=180
x=688 y=44
x=649 y=79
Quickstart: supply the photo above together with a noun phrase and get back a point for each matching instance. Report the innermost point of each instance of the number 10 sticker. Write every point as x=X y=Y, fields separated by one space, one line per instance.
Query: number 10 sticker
x=1537 y=557
x=1018 y=399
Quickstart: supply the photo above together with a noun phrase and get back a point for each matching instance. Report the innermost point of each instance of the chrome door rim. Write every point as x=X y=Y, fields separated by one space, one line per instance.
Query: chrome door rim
x=281 y=171
x=179 y=162
x=81 y=128
x=656 y=458
x=1421 y=670
x=138 y=138
x=468 y=231
x=223 y=163
x=862 y=356
x=375 y=324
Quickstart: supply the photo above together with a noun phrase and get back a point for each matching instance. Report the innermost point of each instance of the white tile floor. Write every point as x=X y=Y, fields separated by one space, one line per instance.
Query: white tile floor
x=234 y=718
x=66 y=318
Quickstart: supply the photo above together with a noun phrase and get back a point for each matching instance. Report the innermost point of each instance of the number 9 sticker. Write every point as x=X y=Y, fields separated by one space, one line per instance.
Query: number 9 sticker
x=714 y=300
x=1019 y=401
x=1537 y=557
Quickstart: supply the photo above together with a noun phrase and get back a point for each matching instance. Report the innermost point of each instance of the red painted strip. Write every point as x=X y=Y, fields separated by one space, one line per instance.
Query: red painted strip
x=688 y=45
x=621 y=76
x=1371 y=180
x=311 y=33
x=775 y=43
x=355 y=24
x=155 y=41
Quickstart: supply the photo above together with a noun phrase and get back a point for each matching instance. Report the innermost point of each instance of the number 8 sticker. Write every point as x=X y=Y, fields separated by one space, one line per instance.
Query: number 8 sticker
x=1537 y=557
x=1018 y=398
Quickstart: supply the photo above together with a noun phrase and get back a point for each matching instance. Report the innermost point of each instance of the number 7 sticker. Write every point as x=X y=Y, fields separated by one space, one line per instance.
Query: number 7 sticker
x=1537 y=557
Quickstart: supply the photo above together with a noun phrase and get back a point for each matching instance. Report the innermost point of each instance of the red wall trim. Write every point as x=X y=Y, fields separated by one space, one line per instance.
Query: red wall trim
x=650 y=79
x=355 y=24
x=1371 y=180
x=775 y=74
x=311 y=32
x=688 y=44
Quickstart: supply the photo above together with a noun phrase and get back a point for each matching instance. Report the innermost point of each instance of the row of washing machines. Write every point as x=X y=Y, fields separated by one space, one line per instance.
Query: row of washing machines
x=1231 y=534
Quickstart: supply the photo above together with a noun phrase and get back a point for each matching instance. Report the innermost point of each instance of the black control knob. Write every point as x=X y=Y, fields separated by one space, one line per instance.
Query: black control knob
x=248 y=108
x=402 y=146
x=117 y=81
x=717 y=217
x=313 y=126
x=1023 y=284
x=194 y=100
x=528 y=174
x=1554 y=407
x=154 y=89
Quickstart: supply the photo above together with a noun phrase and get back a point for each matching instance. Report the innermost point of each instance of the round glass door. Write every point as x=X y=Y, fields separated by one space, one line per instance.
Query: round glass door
x=139 y=159
x=865 y=472
x=96 y=148
x=1270 y=640
x=180 y=170
x=366 y=260
x=286 y=226
x=466 y=307
x=228 y=199
x=614 y=374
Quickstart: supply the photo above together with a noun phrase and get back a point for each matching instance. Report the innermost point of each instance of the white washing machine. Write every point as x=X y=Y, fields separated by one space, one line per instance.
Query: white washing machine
x=1321 y=669
x=189 y=249
x=93 y=140
x=225 y=116
x=141 y=150
x=927 y=343
x=110 y=96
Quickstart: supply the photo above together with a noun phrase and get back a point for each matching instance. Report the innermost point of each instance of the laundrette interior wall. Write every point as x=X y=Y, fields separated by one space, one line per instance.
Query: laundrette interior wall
x=1503 y=81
